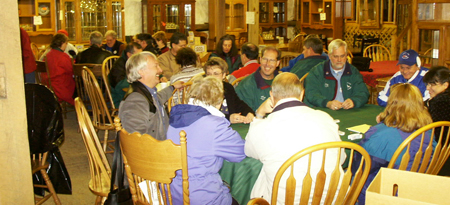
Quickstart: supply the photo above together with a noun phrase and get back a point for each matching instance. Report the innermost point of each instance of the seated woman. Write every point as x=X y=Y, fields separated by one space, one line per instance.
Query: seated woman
x=187 y=58
x=437 y=80
x=210 y=141
x=235 y=110
x=161 y=40
x=404 y=114
x=227 y=50
x=60 y=68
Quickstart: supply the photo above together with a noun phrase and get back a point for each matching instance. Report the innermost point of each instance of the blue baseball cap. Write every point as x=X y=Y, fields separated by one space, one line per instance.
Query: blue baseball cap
x=408 y=57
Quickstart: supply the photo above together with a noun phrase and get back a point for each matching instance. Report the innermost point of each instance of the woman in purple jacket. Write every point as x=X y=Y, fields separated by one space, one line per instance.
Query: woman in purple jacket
x=210 y=140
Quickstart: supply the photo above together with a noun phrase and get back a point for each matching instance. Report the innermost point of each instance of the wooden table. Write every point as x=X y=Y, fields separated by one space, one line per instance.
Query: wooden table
x=282 y=47
x=242 y=176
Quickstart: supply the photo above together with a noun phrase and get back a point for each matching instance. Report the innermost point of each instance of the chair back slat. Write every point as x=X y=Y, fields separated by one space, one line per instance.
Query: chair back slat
x=377 y=52
x=148 y=159
x=307 y=183
x=179 y=96
x=290 y=187
x=427 y=159
x=334 y=182
x=302 y=82
x=106 y=68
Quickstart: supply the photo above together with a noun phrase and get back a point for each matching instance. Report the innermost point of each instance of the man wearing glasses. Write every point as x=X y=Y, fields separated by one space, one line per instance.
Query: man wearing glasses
x=334 y=83
x=255 y=88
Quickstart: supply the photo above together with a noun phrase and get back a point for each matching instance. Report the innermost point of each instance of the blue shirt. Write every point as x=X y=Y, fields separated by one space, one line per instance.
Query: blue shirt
x=338 y=75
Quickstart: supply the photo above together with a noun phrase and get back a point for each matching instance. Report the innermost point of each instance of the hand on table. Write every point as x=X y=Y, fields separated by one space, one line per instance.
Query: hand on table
x=348 y=104
x=249 y=118
x=334 y=105
x=378 y=118
x=236 y=118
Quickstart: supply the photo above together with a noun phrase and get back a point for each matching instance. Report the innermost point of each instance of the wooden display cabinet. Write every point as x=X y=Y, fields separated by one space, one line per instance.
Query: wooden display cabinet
x=29 y=10
x=273 y=19
x=235 y=11
x=169 y=16
x=320 y=17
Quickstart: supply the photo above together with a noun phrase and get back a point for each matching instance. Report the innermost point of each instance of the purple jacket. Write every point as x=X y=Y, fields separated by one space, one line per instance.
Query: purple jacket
x=210 y=140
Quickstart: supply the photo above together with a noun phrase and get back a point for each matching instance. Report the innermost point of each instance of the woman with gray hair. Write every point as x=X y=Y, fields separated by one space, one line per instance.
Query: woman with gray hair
x=142 y=109
x=211 y=140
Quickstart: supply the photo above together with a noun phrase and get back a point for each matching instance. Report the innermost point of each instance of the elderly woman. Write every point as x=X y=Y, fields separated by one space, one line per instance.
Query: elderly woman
x=187 y=59
x=161 y=40
x=227 y=50
x=404 y=114
x=235 y=110
x=60 y=68
x=211 y=140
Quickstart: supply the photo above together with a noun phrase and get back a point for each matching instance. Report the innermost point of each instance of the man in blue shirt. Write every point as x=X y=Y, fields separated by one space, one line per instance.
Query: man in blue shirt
x=410 y=72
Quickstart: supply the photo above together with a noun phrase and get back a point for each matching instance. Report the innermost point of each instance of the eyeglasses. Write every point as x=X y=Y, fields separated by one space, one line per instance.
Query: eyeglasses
x=271 y=61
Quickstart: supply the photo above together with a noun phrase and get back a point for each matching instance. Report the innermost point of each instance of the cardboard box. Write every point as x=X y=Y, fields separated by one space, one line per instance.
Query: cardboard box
x=413 y=188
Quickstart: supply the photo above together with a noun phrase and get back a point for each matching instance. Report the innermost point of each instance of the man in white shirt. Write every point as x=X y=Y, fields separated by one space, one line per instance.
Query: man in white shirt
x=291 y=127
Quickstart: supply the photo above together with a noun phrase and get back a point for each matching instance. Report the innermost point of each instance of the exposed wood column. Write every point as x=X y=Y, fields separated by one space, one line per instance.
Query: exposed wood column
x=253 y=29
x=216 y=21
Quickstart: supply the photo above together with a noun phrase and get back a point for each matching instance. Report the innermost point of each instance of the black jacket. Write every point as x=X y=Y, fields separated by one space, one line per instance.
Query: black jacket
x=115 y=48
x=234 y=103
x=93 y=54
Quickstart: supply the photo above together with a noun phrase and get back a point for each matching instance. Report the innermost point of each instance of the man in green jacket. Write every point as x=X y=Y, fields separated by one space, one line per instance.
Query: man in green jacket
x=335 y=84
x=312 y=50
x=255 y=88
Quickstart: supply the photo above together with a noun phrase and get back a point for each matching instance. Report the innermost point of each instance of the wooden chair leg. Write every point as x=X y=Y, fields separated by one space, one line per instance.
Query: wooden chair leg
x=99 y=200
x=105 y=142
x=50 y=187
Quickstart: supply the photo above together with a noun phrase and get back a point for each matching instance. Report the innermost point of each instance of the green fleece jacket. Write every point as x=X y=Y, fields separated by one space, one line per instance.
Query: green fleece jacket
x=254 y=90
x=321 y=86
x=303 y=66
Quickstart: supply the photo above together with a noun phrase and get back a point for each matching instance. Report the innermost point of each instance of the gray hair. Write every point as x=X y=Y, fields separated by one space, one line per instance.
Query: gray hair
x=111 y=33
x=286 y=85
x=335 y=44
x=136 y=63
x=96 y=38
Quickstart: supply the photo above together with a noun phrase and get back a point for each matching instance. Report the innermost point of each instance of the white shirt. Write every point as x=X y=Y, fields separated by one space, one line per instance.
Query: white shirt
x=282 y=134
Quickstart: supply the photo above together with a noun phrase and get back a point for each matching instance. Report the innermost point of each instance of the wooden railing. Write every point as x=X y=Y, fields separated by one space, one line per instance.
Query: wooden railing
x=398 y=44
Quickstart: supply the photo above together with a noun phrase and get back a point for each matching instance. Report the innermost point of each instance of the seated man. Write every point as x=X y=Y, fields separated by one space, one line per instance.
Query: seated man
x=249 y=58
x=255 y=88
x=142 y=110
x=118 y=75
x=312 y=48
x=147 y=42
x=112 y=44
x=94 y=54
x=301 y=56
x=335 y=83
x=292 y=126
x=410 y=72
x=167 y=60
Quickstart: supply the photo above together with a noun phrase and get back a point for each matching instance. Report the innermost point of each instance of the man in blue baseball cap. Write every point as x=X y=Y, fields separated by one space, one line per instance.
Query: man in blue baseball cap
x=410 y=72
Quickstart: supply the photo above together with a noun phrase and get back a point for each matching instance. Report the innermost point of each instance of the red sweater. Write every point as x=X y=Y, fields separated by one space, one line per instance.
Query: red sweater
x=61 y=72
x=247 y=70
x=28 y=61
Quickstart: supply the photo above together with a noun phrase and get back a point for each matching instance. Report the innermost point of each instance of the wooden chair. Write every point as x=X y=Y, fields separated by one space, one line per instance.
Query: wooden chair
x=42 y=69
x=203 y=37
x=235 y=83
x=348 y=183
x=106 y=68
x=149 y=160
x=101 y=115
x=205 y=58
x=40 y=164
x=296 y=45
x=430 y=161
x=35 y=50
x=377 y=52
x=179 y=97
x=425 y=58
x=284 y=61
x=302 y=82
x=99 y=167
x=81 y=91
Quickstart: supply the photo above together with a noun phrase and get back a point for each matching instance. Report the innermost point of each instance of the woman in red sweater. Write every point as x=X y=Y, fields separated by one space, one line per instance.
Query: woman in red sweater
x=60 y=69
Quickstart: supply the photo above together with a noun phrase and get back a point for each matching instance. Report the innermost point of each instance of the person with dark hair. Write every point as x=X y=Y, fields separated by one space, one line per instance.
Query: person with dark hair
x=255 y=88
x=312 y=48
x=437 y=80
x=147 y=42
x=301 y=56
x=60 y=69
x=410 y=71
x=161 y=40
x=112 y=44
x=167 y=59
x=249 y=58
x=187 y=59
x=235 y=110
x=227 y=50
x=118 y=76
x=94 y=54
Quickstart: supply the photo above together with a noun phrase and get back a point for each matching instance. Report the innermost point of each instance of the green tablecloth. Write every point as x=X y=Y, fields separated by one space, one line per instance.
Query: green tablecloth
x=241 y=176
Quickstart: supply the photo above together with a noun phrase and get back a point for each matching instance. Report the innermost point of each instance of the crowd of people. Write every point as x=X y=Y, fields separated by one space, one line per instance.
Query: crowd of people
x=267 y=98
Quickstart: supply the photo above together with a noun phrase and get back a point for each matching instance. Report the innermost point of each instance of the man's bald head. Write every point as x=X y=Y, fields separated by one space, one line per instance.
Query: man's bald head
x=286 y=85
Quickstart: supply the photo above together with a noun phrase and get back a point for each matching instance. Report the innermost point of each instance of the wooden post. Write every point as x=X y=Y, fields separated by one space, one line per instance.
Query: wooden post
x=253 y=29
x=216 y=22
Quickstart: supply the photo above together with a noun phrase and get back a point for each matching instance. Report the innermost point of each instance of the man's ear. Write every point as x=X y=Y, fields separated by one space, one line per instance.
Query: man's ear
x=129 y=54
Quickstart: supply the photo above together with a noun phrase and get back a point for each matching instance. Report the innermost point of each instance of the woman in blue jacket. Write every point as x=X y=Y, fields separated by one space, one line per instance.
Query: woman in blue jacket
x=405 y=113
